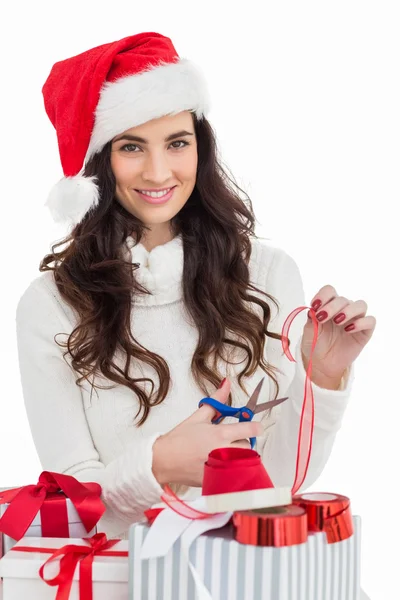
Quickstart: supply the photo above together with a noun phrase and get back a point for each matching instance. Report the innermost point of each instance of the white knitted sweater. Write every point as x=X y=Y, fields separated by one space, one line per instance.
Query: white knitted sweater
x=94 y=436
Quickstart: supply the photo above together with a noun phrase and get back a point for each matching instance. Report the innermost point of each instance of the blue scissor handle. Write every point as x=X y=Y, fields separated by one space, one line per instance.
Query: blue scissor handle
x=243 y=413
x=222 y=409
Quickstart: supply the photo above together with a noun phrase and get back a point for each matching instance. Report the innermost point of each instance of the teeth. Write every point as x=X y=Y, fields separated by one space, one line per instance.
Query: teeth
x=155 y=194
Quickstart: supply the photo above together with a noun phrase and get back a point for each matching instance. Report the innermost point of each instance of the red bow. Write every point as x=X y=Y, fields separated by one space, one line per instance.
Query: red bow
x=70 y=555
x=25 y=502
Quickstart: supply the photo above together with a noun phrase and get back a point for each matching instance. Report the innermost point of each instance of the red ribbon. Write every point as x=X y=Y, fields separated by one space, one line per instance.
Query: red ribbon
x=304 y=442
x=339 y=526
x=331 y=515
x=70 y=555
x=236 y=469
x=49 y=497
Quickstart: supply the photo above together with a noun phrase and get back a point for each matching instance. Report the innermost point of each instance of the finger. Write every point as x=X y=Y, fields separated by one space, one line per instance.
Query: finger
x=332 y=308
x=207 y=412
x=232 y=432
x=325 y=294
x=354 y=310
x=363 y=325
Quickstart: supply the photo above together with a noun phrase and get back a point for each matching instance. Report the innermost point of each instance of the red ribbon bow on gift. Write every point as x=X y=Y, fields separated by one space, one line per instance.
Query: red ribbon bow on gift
x=70 y=556
x=25 y=502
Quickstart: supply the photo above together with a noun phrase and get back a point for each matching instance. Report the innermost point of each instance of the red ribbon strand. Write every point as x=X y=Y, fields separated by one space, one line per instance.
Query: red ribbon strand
x=306 y=429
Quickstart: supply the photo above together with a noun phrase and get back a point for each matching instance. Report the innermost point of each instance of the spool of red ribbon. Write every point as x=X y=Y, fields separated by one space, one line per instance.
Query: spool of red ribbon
x=277 y=526
x=330 y=513
x=234 y=470
x=236 y=479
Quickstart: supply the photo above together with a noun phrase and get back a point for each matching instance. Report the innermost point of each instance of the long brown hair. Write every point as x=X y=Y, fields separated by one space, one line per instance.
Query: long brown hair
x=93 y=277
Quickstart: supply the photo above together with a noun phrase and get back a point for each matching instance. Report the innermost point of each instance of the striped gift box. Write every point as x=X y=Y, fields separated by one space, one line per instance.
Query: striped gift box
x=315 y=570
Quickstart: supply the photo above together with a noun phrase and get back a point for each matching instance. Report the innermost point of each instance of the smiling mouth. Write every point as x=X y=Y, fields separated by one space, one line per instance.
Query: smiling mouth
x=149 y=192
x=157 y=198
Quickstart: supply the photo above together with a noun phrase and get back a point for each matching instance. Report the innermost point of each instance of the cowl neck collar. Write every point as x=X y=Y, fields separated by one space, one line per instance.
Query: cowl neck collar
x=160 y=271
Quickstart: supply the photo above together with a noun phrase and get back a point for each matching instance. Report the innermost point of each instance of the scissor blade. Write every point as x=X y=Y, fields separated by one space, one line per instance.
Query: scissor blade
x=267 y=405
x=252 y=403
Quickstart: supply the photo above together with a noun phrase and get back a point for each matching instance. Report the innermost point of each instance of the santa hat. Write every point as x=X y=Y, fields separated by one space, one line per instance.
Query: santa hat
x=94 y=96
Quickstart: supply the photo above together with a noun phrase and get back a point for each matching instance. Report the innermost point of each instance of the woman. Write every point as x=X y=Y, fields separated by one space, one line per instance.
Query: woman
x=161 y=291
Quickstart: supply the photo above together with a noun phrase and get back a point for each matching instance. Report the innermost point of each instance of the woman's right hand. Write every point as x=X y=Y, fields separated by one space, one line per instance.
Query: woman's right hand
x=180 y=454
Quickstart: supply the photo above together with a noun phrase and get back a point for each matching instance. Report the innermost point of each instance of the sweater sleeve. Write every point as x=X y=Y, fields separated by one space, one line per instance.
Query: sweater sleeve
x=56 y=415
x=278 y=446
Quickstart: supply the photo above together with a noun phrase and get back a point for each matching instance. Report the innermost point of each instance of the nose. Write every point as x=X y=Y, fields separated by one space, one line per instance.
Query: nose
x=157 y=168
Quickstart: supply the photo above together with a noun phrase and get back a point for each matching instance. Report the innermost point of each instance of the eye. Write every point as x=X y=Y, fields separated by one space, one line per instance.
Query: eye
x=180 y=142
x=128 y=146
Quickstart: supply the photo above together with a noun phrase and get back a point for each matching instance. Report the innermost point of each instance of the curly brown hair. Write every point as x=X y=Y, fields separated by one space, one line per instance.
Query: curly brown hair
x=93 y=277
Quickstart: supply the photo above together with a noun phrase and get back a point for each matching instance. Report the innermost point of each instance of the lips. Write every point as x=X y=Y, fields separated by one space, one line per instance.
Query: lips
x=161 y=200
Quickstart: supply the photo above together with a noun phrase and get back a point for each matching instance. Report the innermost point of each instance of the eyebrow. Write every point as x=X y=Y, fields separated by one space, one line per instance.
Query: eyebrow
x=135 y=138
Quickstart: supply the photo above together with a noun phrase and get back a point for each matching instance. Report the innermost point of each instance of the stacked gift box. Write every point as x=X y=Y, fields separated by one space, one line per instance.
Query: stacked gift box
x=260 y=543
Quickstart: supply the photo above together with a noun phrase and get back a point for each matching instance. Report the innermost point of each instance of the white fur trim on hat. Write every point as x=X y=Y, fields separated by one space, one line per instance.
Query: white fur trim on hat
x=130 y=101
x=71 y=198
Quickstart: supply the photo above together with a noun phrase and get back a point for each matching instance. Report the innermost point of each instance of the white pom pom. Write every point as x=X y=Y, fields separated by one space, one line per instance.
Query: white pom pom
x=71 y=198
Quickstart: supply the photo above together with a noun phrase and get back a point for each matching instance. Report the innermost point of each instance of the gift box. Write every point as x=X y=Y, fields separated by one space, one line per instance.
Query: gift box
x=314 y=570
x=57 y=506
x=103 y=578
x=76 y=529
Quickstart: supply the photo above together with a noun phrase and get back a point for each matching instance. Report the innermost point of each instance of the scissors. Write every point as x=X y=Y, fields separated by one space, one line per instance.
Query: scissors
x=244 y=413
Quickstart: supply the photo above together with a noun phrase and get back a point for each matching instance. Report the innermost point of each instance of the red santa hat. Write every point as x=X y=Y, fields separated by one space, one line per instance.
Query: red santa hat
x=94 y=96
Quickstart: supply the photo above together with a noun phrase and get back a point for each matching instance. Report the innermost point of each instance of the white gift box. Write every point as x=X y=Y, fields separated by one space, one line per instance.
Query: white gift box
x=314 y=570
x=75 y=527
x=21 y=580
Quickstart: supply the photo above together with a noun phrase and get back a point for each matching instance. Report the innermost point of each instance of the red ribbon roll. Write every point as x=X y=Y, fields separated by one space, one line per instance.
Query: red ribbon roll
x=278 y=526
x=49 y=497
x=234 y=470
x=330 y=513
x=71 y=555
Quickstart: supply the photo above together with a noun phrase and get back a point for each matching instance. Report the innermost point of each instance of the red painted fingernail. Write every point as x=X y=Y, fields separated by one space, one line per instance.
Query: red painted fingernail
x=316 y=304
x=222 y=383
x=321 y=316
x=350 y=327
x=339 y=318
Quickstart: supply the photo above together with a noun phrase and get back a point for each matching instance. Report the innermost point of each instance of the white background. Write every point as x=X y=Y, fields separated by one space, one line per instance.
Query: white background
x=306 y=104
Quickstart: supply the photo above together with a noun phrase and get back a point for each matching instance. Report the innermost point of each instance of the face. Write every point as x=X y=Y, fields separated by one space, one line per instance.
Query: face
x=158 y=155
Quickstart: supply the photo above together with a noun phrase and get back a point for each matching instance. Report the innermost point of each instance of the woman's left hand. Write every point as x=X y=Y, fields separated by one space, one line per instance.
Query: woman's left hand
x=344 y=330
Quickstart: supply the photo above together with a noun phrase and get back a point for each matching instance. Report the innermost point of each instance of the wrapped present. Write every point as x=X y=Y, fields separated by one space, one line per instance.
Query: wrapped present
x=308 y=550
x=216 y=566
x=49 y=569
x=57 y=506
